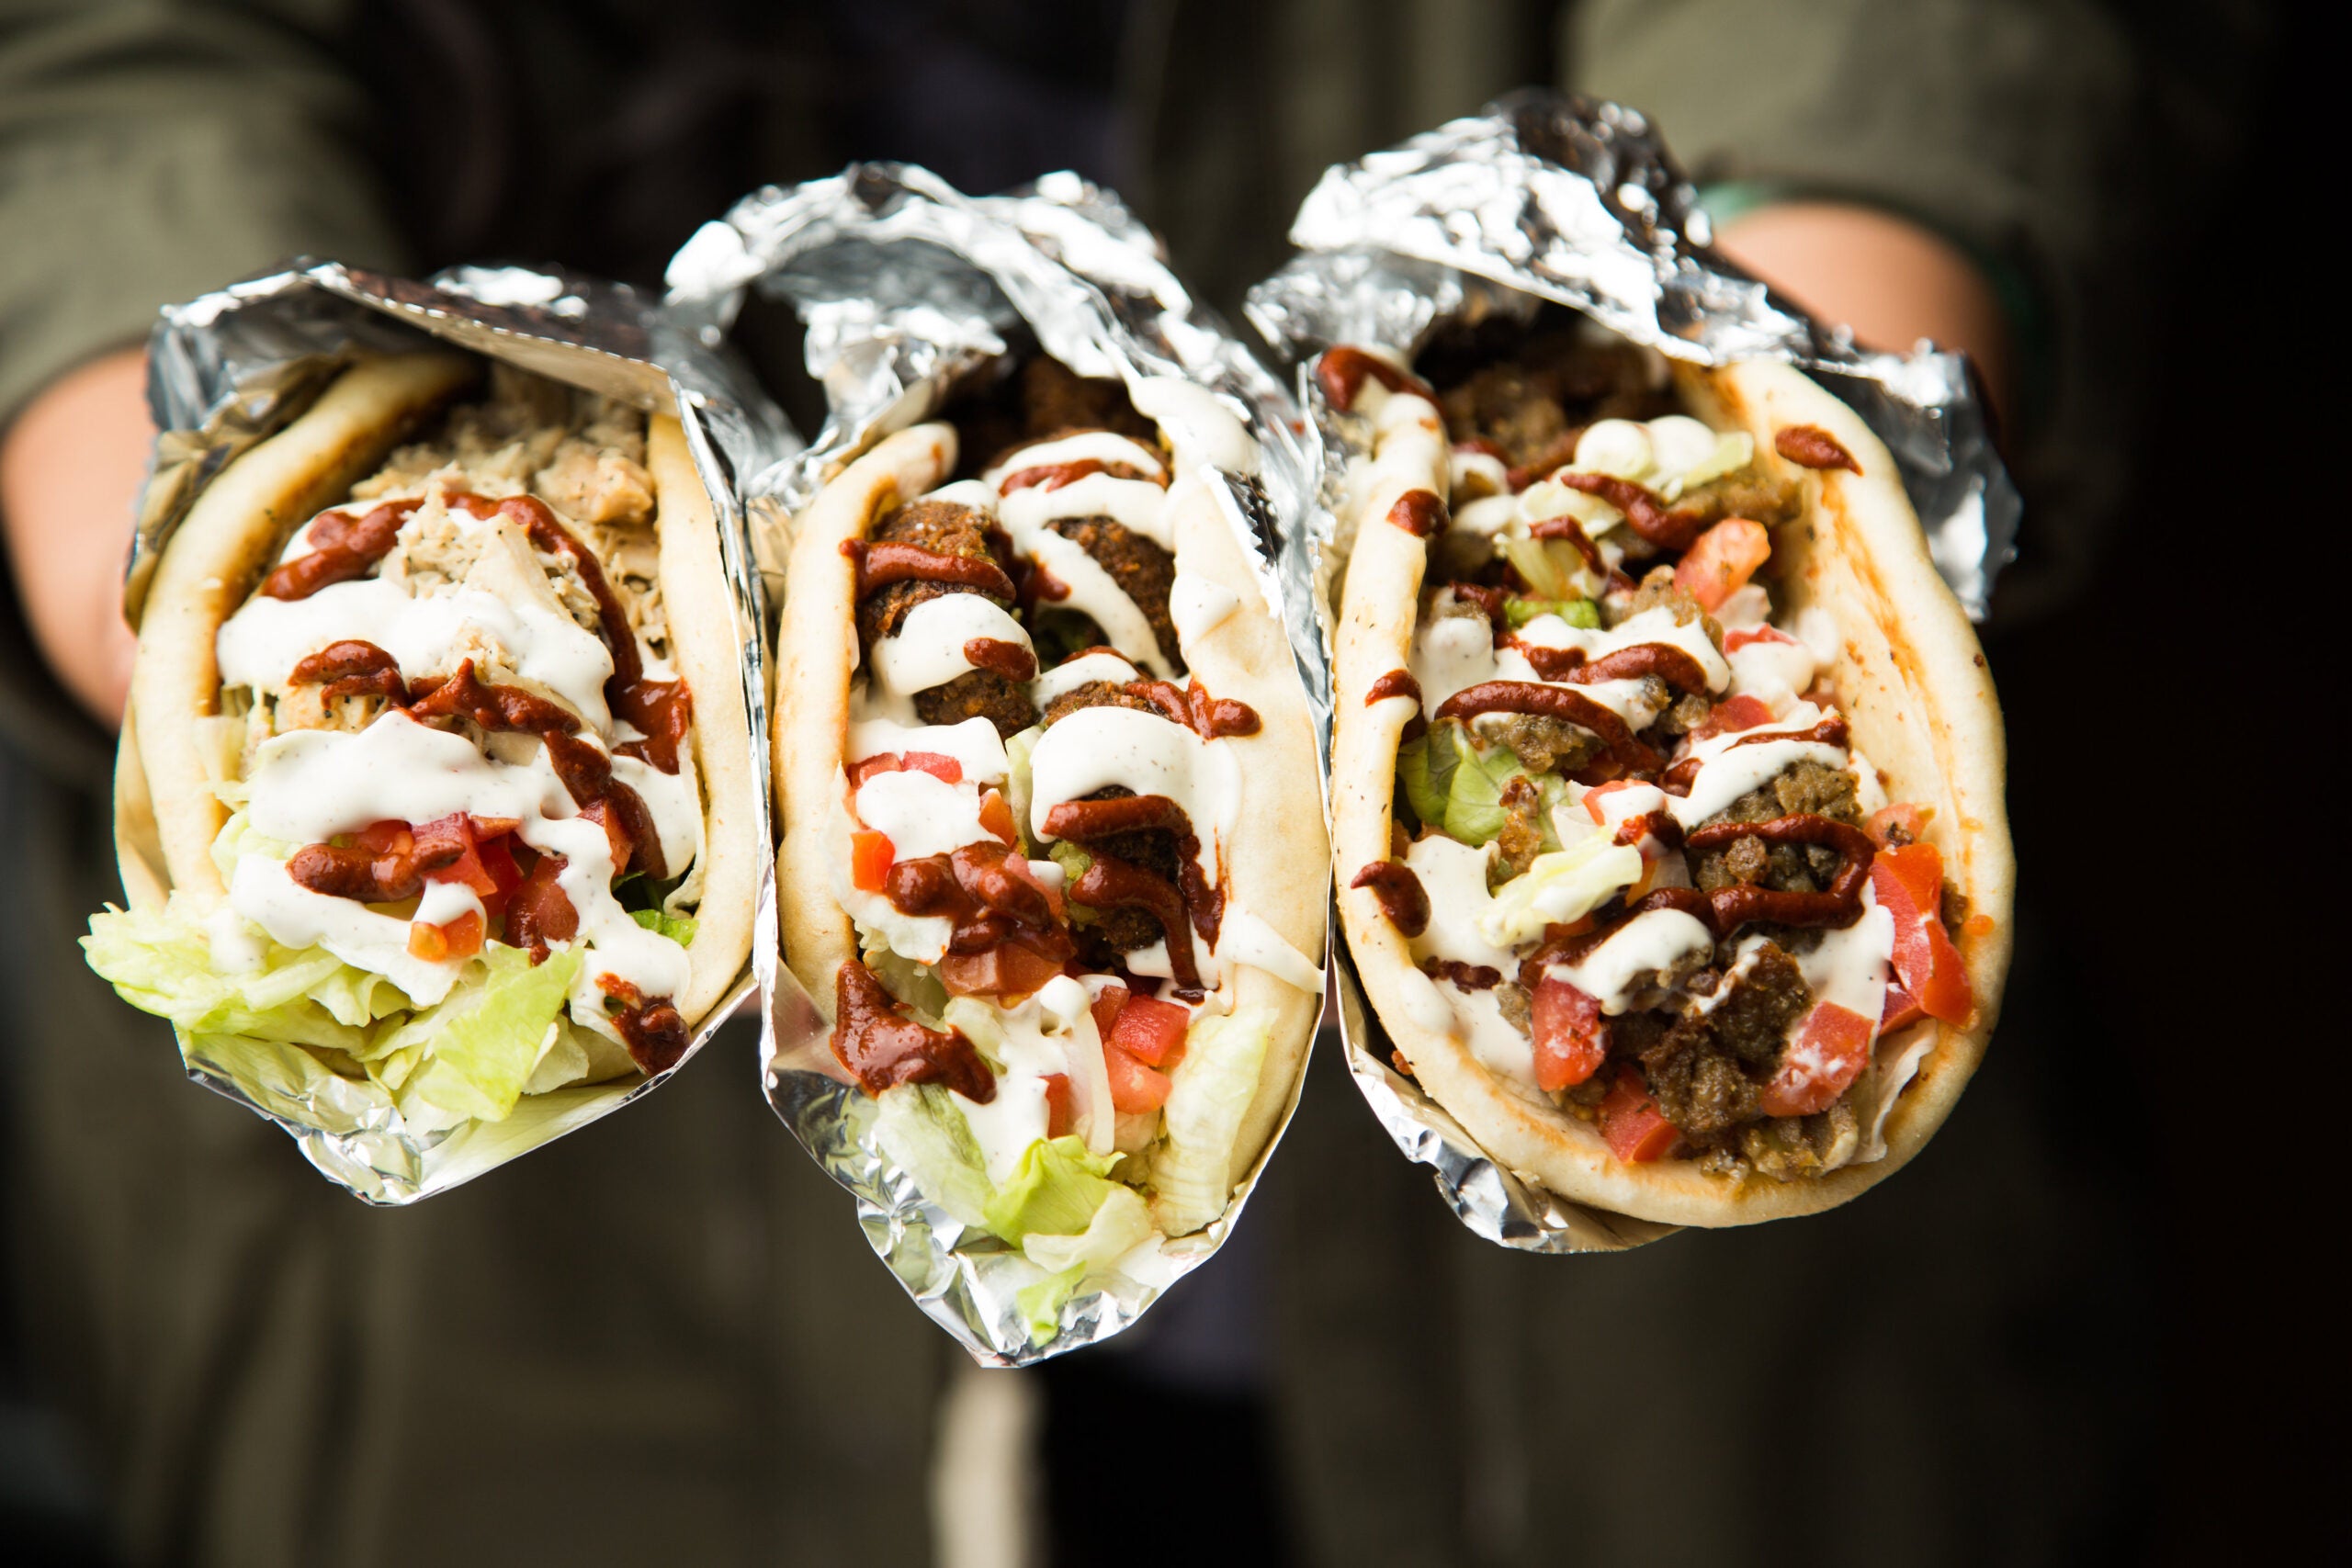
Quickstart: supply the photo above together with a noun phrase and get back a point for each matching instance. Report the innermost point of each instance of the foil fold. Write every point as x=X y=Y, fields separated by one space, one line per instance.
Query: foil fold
x=1550 y=197
x=232 y=367
x=904 y=284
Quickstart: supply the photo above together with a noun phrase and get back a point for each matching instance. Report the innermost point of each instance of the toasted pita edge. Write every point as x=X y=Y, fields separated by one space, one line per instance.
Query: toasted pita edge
x=1913 y=685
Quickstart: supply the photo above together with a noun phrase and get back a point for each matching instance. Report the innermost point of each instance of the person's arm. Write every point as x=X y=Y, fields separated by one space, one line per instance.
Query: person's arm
x=148 y=153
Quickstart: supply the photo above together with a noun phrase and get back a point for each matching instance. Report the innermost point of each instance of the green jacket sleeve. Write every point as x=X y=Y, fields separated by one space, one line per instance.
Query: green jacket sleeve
x=150 y=151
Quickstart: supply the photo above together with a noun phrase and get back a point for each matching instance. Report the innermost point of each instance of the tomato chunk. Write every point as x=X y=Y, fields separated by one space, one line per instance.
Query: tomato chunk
x=1831 y=1047
x=996 y=817
x=1912 y=819
x=939 y=765
x=1742 y=712
x=1061 y=1112
x=1630 y=1123
x=1105 y=1008
x=461 y=937
x=1135 y=1085
x=870 y=856
x=1908 y=882
x=1008 y=969
x=1722 y=561
x=1902 y=1010
x=865 y=768
x=1571 y=1041
x=386 y=838
x=1150 y=1030
x=496 y=858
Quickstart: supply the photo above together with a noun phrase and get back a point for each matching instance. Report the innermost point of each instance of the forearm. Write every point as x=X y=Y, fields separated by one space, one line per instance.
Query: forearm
x=70 y=470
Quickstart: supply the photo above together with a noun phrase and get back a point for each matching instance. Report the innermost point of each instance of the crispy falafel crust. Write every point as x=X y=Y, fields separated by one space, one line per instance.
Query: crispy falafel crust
x=1913 y=685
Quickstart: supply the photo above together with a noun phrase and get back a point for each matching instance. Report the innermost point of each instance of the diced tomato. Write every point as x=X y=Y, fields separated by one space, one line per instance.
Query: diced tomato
x=1732 y=714
x=870 y=856
x=1902 y=1010
x=1722 y=561
x=937 y=764
x=1008 y=969
x=1831 y=1047
x=1150 y=1030
x=865 y=768
x=496 y=857
x=1631 y=1125
x=1061 y=1113
x=1740 y=637
x=617 y=839
x=1020 y=871
x=1910 y=817
x=1594 y=796
x=1135 y=1085
x=1105 y=1008
x=461 y=937
x=1908 y=882
x=996 y=817
x=1571 y=1041
x=384 y=839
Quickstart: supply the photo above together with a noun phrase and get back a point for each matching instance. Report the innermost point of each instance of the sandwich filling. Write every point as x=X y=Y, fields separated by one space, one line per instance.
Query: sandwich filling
x=1644 y=875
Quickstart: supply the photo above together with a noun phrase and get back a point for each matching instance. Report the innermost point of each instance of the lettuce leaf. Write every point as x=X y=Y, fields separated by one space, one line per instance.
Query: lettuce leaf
x=678 y=929
x=1056 y=1190
x=1564 y=884
x=160 y=961
x=1457 y=787
x=485 y=1039
x=1193 y=1170
x=926 y=1136
x=1017 y=790
x=1121 y=1224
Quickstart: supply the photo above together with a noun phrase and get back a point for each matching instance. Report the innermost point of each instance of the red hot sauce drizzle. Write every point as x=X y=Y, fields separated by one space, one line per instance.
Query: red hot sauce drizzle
x=654 y=1031
x=1341 y=373
x=883 y=1048
x=1111 y=883
x=1402 y=898
x=351 y=669
x=1009 y=660
x=1552 y=701
x=1644 y=511
x=1810 y=446
x=1830 y=731
x=1569 y=529
x=881 y=563
x=1675 y=666
x=1420 y=512
x=342 y=547
x=1395 y=684
x=1053 y=476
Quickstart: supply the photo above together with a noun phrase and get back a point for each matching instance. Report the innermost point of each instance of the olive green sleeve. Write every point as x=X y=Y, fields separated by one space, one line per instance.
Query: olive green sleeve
x=150 y=151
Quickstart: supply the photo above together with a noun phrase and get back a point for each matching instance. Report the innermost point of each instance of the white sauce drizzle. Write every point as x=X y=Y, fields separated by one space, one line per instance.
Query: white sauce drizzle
x=974 y=744
x=927 y=649
x=921 y=813
x=1198 y=605
x=1072 y=673
x=1621 y=968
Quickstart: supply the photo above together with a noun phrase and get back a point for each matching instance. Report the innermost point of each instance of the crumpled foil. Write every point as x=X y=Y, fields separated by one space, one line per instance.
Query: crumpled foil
x=232 y=367
x=1548 y=196
x=904 y=284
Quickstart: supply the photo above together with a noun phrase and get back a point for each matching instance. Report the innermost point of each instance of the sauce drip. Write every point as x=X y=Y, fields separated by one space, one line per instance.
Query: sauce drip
x=342 y=547
x=1810 y=446
x=1571 y=530
x=1402 y=898
x=1830 y=731
x=1420 y=512
x=1341 y=373
x=351 y=669
x=540 y=911
x=1053 y=476
x=1673 y=665
x=379 y=878
x=1084 y=819
x=1469 y=976
x=1395 y=684
x=1009 y=660
x=1115 y=884
x=887 y=561
x=883 y=1048
x=1551 y=702
x=653 y=1030
x=1644 y=512
x=1212 y=718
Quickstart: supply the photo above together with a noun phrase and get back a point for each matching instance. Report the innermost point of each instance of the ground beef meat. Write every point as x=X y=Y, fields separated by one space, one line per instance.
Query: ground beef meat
x=1505 y=405
x=1809 y=788
x=980 y=693
x=1682 y=715
x=1535 y=402
x=1750 y=493
x=1708 y=1070
x=1516 y=1006
x=937 y=526
x=1522 y=839
x=1655 y=589
x=1785 y=1148
x=1144 y=571
x=1054 y=399
x=1547 y=745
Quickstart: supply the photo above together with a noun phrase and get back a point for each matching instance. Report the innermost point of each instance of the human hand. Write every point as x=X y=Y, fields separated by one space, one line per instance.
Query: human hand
x=1890 y=279
x=70 y=470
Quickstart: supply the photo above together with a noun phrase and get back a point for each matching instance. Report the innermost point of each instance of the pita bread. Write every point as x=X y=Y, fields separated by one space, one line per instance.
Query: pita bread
x=1912 y=683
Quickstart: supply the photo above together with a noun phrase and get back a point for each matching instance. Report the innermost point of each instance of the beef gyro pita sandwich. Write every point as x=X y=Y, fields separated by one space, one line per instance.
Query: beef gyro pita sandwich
x=437 y=715
x=1667 y=775
x=1054 y=864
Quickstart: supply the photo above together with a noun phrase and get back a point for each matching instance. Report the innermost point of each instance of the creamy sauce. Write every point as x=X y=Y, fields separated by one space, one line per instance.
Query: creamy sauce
x=1097 y=747
x=1620 y=970
x=927 y=650
x=1450 y=654
x=1137 y=504
x=1094 y=591
x=1455 y=877
x=1095 y=445
x=973 y=743
x=1245 y=938
x=919 y=814
x=262 y=892
x=1072 y=673
x=1497 y=1045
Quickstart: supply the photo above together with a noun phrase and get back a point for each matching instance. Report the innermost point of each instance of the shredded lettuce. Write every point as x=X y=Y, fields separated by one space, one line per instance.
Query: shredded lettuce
x=238 y=838
x=1734 y=451
x=678 y=929
x=160 y=961
x=1017 y=790
x=1074 y=863
x=1056 y=1190
x=1121 y=1223
x=1581 y=612
x=1193 y=1172
x=1564 y=884
x=1550 y=566
x=1457 y=787
x=926 y=1136
x=486 y=1038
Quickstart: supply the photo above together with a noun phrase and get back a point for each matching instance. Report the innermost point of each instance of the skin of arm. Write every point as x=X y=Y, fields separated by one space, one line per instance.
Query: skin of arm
x=71 y=466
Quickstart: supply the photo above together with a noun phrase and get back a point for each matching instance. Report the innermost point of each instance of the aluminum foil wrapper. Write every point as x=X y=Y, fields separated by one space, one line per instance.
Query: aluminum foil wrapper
x=232 y=367
x=904 y=284
x=1546 y=197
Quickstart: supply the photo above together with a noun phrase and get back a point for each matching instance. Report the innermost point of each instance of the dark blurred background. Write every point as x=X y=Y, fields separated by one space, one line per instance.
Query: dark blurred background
x=2037 y=1344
